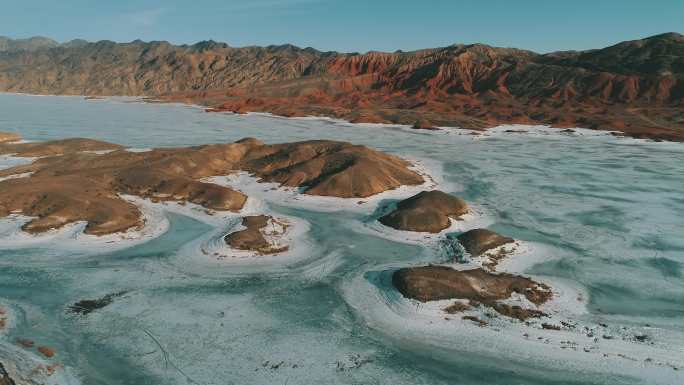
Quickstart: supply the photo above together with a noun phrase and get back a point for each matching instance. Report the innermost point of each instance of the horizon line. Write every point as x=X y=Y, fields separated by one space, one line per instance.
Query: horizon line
x=61 y=43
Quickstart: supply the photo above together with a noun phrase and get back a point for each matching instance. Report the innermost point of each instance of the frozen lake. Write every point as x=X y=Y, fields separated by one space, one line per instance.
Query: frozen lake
x=602 y=216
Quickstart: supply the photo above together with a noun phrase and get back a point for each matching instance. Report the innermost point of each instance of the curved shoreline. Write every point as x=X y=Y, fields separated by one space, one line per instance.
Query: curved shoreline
x=384 y=310
x=504 y=126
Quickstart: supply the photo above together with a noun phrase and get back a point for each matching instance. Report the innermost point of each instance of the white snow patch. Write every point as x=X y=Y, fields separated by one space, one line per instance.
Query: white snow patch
x=16 y=176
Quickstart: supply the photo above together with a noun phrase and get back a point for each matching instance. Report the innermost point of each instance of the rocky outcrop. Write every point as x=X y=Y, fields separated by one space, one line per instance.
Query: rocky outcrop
x=636 y=87
x=46 y=351
x=252 y=237
x=512 y=311
x=515 y=311
x=423 y=125
x=427 y=211
x=478 y=241
x=82 y=180
x=431 y=283
x=87 y=306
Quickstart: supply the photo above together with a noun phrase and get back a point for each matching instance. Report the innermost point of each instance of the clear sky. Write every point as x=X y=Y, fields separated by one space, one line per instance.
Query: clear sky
x=349 y=25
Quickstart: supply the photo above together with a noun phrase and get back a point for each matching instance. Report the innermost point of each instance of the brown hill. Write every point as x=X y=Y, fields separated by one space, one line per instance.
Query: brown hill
x=252 y=237
x=478 y=241
x=329 y=168
x=427 y=211
x=73 y=183
x=636 y=86
x=51 y=148
x=431 y=283
x=9 y=137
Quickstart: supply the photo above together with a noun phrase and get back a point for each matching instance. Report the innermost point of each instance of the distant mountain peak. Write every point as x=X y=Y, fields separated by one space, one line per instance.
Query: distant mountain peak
x=29 y=44
x=667 y=36
x=207 y=45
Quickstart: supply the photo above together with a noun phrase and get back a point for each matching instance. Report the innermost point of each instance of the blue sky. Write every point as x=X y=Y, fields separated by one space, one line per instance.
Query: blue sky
x=349 y=25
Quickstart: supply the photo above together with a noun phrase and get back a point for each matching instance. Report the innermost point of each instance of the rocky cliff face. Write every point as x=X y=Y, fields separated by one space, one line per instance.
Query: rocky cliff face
x=635 y=86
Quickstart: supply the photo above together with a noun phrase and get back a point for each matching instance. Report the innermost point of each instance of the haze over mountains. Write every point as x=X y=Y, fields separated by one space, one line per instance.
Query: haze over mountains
x=635 y=86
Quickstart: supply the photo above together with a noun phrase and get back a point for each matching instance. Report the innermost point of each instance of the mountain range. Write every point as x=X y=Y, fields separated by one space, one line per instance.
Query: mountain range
x=636 y=87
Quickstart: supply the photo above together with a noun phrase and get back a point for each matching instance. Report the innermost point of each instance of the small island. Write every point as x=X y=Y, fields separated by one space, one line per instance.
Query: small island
x=431 y=283
x=427 y=211
x=260 y=235
x=478 y=287
x=478 y=241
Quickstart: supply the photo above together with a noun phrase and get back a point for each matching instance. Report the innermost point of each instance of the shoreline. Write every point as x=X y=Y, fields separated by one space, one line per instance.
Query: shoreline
x=655 y=137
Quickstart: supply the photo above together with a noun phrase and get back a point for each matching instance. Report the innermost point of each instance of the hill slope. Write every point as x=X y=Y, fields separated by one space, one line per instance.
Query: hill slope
x=635 y=86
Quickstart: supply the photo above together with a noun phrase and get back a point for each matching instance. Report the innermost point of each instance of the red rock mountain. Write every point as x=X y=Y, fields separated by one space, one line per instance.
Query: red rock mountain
x=636 y=86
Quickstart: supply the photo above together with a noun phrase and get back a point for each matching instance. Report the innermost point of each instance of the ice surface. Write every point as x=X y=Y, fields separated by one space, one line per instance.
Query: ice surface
x=597 y=217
